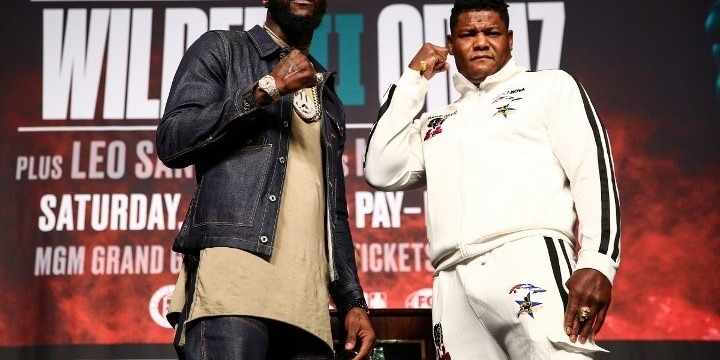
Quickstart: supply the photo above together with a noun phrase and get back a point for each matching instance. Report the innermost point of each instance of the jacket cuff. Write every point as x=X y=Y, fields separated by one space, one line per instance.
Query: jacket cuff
x=590 y=259
x=245 y=101
x=357 y=303
x=346 y=298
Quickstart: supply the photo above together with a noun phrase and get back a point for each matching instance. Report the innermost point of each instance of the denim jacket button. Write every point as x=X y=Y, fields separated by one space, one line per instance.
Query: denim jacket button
x=272 y=198
x=282 y=160
x=263 y=239
x=246 y=105
x=285 y=124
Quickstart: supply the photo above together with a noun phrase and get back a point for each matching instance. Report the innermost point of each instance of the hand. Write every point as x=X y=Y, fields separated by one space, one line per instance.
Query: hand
x=294 y=72
x=587 y=287
x=434 y=57
x=358 y=326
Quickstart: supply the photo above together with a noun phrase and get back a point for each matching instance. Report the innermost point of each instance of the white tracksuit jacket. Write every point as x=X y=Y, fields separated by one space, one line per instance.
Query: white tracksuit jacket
x=521 y=154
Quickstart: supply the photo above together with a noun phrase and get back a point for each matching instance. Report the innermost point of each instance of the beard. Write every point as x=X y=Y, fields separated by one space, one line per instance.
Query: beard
x=294 y=24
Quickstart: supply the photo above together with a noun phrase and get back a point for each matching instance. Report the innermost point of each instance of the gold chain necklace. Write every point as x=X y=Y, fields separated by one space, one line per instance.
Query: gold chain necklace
x=305 y=49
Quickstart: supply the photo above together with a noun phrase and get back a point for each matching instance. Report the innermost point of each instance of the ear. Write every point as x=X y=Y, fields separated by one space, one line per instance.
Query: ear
x=449 y=44
x=510 y=39
x=265 y=3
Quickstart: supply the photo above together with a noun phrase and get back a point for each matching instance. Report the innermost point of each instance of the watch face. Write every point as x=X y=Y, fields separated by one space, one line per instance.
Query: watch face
x=267 y=83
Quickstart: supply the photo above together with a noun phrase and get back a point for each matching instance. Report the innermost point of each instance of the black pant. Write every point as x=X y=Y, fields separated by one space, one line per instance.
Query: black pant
x=250 y=338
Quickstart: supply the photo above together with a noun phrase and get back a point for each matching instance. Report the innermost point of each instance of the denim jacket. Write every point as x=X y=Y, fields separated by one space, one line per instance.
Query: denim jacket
x=239 y=150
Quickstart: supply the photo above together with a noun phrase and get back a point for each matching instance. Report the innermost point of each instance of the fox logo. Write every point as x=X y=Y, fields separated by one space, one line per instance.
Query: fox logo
x=435 y=125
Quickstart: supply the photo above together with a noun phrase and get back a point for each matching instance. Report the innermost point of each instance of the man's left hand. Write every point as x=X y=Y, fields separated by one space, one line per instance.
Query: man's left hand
x=358 y=326
x=587 y=288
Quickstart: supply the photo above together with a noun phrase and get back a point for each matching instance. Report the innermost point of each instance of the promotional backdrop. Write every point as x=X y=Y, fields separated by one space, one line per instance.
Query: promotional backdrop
x=88 y=213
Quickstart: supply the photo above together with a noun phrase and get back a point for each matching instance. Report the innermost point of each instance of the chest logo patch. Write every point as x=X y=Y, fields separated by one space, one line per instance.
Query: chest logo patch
x=435 y=125
x=508 y=97
x=504 y=110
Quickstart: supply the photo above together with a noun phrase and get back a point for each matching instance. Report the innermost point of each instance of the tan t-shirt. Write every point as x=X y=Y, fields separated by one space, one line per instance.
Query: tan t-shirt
x=292 y=286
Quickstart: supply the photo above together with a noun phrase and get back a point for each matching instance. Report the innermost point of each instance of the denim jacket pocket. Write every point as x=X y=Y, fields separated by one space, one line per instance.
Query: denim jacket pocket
x=248 y=168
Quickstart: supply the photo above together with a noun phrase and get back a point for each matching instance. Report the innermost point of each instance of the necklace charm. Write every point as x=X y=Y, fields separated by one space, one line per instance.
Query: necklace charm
x=306 y=105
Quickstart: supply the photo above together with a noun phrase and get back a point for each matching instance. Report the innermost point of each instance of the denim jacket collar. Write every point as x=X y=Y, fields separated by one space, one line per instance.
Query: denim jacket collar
x=262 y=41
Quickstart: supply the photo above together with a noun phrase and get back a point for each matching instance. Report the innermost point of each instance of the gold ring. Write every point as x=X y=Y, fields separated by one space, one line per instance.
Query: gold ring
x=583 y=313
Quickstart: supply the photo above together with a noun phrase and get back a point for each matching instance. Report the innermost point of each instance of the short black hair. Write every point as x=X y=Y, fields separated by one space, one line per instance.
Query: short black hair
x=461 y=6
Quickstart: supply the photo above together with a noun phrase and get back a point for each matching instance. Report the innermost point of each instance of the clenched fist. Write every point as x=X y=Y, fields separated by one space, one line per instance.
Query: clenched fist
x=294 y=72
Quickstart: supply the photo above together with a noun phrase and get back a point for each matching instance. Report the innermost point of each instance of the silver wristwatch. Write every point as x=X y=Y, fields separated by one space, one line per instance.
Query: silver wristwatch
x=267 y=83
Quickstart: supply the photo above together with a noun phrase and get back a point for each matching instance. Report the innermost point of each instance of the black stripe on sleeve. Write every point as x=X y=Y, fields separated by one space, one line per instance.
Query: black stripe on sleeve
x=381 y=112
x=616 y=243
x=386 y=104
x=603 y=166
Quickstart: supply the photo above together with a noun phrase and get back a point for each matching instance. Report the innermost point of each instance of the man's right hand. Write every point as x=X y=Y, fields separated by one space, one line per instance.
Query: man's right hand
x=294 y=72
x=434 y=57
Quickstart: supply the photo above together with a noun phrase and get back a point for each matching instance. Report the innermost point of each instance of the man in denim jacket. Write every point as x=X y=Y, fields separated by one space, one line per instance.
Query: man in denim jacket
x=266 y=237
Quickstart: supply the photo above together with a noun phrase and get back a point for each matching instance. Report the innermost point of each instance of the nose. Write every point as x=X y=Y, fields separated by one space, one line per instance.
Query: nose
x=480 y=41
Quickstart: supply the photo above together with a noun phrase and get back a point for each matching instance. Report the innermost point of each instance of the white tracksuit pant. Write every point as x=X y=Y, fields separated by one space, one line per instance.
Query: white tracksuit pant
x=507 y=304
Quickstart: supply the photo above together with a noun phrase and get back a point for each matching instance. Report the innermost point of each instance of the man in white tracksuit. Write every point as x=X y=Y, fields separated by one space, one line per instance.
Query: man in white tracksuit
x=509 y=170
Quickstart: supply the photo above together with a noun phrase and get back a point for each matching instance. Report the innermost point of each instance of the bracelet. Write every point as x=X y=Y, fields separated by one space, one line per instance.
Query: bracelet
x=357 y=303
